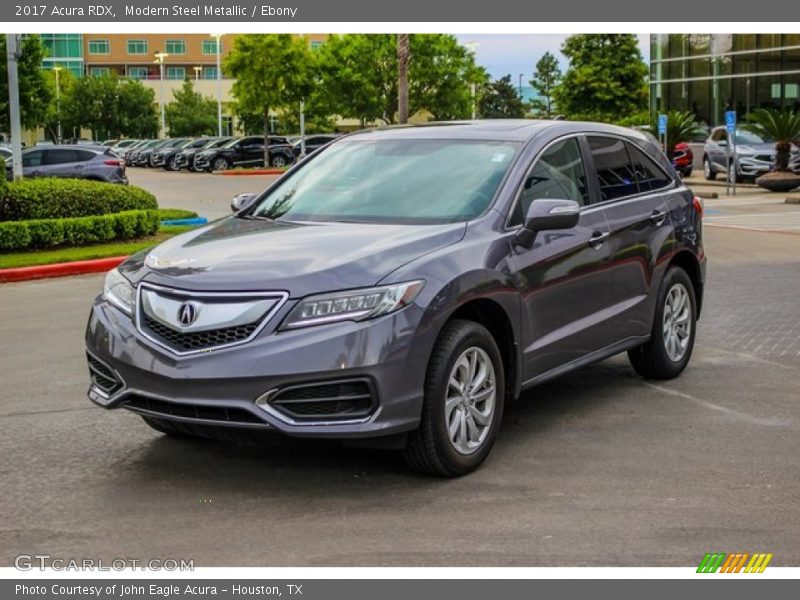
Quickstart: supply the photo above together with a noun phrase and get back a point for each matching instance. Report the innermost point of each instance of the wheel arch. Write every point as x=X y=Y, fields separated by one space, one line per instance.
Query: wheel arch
x=494 y=317
x=687 y=261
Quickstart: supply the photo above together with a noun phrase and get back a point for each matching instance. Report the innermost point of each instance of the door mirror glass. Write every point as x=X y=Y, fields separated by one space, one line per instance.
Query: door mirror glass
x=243 y=201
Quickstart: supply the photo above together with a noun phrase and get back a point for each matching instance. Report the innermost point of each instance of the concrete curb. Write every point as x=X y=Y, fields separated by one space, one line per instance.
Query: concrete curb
x=253 y=172
x=81 y=267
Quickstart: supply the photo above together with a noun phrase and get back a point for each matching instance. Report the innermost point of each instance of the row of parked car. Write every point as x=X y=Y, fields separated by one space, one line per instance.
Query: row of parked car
x=216 y=153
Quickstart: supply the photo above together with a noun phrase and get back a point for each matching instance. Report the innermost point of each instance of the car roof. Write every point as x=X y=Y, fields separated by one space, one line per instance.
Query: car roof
x=518 y=130
x=90 y=147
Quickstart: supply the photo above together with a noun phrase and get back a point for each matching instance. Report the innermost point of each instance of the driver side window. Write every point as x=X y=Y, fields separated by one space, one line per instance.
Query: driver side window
x=557 y=173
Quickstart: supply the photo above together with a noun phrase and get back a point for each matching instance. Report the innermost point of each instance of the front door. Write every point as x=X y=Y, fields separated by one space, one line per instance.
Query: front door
x=562 y=278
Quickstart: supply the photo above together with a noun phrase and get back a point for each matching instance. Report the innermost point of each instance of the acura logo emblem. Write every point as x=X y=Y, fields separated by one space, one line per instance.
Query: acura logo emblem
x=187 y=313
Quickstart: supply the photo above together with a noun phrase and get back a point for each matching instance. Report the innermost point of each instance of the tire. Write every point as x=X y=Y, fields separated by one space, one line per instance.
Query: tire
x=734 y=175
x=219 y=164
x=171 y=166
x=278 y=161
x=431 y=448
x=687 y=172
x=708 y=170
x=655 y=359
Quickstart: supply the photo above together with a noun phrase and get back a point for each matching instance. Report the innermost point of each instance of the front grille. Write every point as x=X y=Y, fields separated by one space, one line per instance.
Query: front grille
x=103 y=376
x=197 y=340
x=230 y=414
x=764 y=157
x=346 y=399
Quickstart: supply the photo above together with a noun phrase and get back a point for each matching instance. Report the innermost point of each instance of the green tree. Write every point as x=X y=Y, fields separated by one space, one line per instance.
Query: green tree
x=358 y=76
x=545 y=79
x=110 y=107
x=606 y=79
x=65 y=82
x=783 y=126
x=272 y=72
x=500 y=100
x=34 y=91
x=190 y=113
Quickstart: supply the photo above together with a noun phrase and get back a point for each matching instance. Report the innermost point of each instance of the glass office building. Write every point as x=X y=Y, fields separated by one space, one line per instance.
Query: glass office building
x=708 y=74
x=64 y=50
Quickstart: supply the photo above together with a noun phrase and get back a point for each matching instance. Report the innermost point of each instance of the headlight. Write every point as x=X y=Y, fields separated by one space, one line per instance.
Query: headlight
x=353 y=305
x=118 y=291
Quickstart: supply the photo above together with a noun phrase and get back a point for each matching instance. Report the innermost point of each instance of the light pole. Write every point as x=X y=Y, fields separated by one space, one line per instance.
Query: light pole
x=218 y=38
x=197 y=73
x=160 y=56
x=13 y=105
x=58 y=104
x=520 y=86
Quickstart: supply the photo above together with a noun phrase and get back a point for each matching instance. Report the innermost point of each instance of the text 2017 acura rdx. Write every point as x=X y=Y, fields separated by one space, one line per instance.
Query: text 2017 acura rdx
x=404 y=284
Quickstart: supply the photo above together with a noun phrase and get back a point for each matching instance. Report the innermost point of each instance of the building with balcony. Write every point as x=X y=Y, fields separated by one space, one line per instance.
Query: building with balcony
x=708 y=74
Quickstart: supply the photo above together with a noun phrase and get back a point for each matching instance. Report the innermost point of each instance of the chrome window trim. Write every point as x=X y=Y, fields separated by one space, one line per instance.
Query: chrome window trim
x=281 y=297
x=589 y=208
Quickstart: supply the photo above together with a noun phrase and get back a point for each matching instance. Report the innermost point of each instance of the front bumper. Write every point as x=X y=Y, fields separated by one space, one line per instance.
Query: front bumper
x=222 y=387
x=157 y=160
x=201 y=163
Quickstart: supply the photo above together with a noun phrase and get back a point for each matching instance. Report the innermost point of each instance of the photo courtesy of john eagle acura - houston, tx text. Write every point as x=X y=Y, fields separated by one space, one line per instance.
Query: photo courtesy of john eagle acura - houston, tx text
x=401 y=285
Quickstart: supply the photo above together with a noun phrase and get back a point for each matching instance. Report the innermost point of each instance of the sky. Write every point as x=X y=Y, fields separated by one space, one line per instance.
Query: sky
x=504 y=54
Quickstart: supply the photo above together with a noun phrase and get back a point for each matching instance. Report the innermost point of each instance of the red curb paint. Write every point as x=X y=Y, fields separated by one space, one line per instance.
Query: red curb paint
x=254 y=172
x=82 y=267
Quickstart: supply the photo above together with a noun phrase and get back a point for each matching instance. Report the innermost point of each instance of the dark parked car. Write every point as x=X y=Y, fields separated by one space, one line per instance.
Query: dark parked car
x=133 y=156
x=78 y=162
x=185 y=158
x=400 y=285
x=313 y=143
x=247 y=151
x=157 y=156
x=753 y=156
x=167 y=156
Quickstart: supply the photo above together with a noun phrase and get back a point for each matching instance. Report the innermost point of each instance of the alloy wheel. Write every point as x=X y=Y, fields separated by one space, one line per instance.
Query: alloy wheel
x=470 y=400
x=677 y=322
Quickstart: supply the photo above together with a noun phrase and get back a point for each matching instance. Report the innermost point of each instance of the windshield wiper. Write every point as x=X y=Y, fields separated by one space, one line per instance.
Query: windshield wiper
x=255 y=217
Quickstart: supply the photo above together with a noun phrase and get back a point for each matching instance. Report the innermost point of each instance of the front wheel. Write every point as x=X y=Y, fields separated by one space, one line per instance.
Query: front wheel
x=708 y=170
x=219 y=164
x=463 y=402
x=669 y=349
x=172 y=164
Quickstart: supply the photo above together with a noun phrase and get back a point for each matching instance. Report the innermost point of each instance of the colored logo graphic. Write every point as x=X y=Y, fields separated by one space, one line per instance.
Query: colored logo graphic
x=721 y=562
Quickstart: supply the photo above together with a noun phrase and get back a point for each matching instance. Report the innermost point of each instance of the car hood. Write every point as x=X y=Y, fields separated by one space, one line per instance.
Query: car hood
x=766 y=148
x=235 y=254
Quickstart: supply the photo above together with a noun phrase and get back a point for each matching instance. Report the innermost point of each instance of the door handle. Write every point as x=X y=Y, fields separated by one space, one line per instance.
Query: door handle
x=597 y=239
x=658 y=216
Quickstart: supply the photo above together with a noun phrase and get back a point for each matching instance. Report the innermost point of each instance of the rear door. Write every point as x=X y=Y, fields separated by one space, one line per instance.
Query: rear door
x=634 y=192
x=562 y=279
x=64 y=162
x=251 y=150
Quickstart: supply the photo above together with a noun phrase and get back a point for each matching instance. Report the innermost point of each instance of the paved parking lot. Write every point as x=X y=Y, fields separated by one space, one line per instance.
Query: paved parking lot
x=597 y=468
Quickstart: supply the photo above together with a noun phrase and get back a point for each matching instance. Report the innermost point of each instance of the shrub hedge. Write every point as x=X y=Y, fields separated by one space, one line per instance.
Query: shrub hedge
x=77 y=231
x=54 y=198
x=173 y=214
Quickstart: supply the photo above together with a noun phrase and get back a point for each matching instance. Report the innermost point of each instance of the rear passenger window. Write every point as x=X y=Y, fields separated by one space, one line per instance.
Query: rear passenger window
x=60 y=156
x=614 y=170
x=557 y=173
x=648 y=174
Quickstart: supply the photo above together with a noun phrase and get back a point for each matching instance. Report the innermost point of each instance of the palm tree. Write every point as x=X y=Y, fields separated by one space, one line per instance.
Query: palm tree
x=681 y=127
x=403 y=53
x=783 y=126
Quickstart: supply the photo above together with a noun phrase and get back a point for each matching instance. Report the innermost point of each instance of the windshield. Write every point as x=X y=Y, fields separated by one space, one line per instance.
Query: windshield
x=217 y=143
x=748 y=137
x=231 y=143
x=392 y=181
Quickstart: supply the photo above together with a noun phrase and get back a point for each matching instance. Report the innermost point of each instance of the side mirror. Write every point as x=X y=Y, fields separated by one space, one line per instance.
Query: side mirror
x=243 y=201
x=548 y=214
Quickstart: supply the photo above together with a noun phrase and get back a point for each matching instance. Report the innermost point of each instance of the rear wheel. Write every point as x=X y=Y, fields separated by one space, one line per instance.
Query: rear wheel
x=463 y=402
x=278 y=161
x=669 y=349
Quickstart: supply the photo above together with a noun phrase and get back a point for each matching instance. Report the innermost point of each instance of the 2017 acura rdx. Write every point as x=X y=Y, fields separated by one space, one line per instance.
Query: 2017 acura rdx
x=403 y=284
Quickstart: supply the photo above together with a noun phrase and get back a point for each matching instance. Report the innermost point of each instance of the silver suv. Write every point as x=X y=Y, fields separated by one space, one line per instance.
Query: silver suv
x=753 y=156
